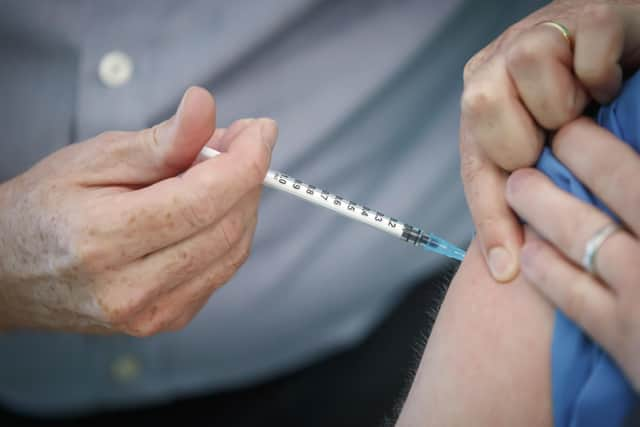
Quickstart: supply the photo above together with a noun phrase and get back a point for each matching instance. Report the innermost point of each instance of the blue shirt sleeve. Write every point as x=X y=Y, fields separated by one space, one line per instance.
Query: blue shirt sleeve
x=588 y=388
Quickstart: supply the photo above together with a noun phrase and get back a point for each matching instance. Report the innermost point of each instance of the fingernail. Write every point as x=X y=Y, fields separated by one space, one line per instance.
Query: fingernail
x=501 y=264
x=269 y=132
x=232 y=132
x=240 y=124
x=237 y=127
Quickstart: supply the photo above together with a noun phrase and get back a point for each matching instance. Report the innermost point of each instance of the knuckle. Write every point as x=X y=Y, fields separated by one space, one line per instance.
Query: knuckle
x=232 y=229
x=91 y=236
x=257 y=165
x=88 y=255
x=144 y=329
x=524 y=53
x=198 y=212
x=470 y=66
x=256 y=171
x=213 y=280
x=160 y=154
x=234 y=261
x=121 y=311
x=198 y=293
x=121 y=299
x=478 y=98
x=181 y=264
x=253 y=165
x=147 y=326
x=242 y=255
x=217 y=277
x=147 y=137
x=476 y=61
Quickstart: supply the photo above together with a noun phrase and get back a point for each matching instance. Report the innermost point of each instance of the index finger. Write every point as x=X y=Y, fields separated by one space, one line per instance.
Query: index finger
x=607 y=42
x=176 y=208
x=540 y=65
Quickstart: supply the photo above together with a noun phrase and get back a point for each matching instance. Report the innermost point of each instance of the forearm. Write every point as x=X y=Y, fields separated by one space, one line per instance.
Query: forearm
x=487 y=361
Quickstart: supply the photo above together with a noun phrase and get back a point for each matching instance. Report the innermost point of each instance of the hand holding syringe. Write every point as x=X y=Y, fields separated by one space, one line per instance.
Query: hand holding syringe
x=283 y=182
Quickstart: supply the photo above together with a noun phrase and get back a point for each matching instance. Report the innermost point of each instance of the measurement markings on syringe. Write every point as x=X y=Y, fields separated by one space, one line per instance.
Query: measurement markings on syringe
x=337 y=201
x=351 y=209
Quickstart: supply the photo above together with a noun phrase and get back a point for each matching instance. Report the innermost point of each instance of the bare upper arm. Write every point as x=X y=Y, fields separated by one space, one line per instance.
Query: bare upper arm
x=487 y=361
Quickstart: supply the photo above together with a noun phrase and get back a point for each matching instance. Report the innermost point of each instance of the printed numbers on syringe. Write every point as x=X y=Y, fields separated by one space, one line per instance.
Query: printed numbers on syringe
x=338 y=204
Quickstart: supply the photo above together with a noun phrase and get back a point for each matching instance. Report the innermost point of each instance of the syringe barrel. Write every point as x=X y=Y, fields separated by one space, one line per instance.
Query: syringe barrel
x=376 y=219
x=283 y=182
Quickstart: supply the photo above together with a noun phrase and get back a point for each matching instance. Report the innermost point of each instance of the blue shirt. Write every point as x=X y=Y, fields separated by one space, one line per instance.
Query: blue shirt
x=588 y=388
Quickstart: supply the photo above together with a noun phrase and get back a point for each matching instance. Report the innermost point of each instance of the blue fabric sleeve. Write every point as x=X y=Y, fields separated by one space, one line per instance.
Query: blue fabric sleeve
x=588 y=388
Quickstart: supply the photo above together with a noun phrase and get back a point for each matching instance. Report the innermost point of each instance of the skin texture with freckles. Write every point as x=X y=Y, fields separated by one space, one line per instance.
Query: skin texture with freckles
x=124 y=232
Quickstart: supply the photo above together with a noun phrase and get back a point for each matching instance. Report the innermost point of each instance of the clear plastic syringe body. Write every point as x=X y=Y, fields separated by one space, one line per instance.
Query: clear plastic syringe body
x=345 y=207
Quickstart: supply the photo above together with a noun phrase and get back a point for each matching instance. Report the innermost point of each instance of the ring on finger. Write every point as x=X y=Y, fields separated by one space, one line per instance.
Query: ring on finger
x=563 y=30
x=594 y=244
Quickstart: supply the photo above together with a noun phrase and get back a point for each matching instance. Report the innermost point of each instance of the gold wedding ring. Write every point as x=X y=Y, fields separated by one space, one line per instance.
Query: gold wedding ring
x=563 y=30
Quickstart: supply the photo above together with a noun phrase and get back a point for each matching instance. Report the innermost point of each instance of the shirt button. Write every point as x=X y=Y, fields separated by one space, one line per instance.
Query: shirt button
x=115 y=69
x=125 y=368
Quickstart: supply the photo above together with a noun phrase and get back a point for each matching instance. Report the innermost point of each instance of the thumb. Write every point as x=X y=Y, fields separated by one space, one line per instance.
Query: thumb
x=176 y=142
x=499 y=233
x=150 y=155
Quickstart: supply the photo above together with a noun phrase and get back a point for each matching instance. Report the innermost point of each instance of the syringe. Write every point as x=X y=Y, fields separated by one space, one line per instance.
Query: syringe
x=283 y=182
